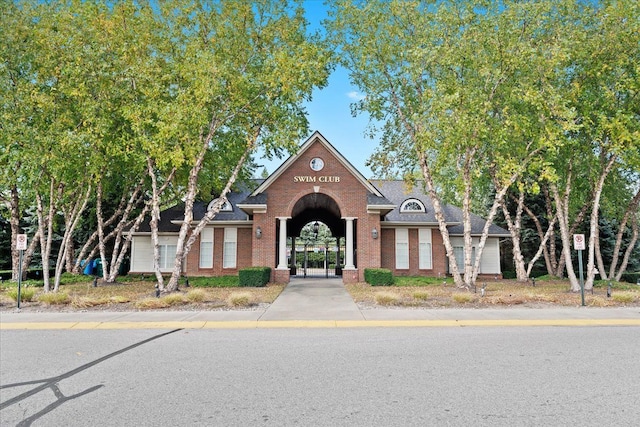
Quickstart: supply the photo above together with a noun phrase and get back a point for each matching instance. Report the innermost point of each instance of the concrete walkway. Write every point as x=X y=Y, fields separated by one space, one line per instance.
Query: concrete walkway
x=324 y=303
x=313 y=299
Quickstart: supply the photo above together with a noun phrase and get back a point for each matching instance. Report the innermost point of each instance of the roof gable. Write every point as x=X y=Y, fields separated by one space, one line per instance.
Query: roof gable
x=316 y=138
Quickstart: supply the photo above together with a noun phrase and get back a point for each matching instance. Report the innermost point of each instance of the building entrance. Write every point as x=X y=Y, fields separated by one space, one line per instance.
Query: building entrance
x=316 y=253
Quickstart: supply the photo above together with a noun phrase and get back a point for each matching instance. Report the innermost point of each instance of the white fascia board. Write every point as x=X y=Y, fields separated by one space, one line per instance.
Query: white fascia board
x=251 y=209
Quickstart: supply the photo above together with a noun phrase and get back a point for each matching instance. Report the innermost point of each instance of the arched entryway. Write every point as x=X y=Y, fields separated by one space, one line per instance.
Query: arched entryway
x=316 y=232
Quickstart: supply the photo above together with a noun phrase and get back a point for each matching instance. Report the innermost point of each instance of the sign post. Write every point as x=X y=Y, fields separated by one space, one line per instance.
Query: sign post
x=579 y=245
x=21 y=245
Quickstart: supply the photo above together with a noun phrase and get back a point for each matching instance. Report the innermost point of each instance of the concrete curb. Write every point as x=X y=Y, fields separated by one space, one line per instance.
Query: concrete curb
x=298 y=324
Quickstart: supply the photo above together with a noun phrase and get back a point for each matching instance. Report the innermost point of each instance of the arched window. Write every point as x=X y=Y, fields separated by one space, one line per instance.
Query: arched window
x=412 y=206
x=226 y=207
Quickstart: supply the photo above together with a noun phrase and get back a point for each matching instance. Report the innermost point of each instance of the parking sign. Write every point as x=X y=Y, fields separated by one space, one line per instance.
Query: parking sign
x=21 y=243
x=578 y=242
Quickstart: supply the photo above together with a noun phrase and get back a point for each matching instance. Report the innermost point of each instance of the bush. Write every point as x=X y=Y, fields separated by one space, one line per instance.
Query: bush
x=214 y=282
x=54 y=298
x=623 y=297
x=387 y=298
x=196 y=295
x=378 y=276
x=462 y=298
x=240 y=299
x=631 y=277
x=26 y=294
x=254 y=276
x=421 y=295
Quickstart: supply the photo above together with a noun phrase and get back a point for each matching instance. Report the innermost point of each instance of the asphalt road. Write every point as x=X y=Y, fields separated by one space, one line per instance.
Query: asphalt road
x=508 y=376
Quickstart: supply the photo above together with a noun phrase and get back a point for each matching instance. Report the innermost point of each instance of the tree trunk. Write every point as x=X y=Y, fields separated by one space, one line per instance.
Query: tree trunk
x=442 y=224
x=71 y=219
x=543 y=245
x=101 y=245
x=599 y=261
x=564 y=234
x=593 y=224
x=14 y=221
x=119 y=248
x=630 y=248
x=544 y=238
x=514 y=230
x=631 y=212
x=46 y=222
x=184 y=244
x=28 y=254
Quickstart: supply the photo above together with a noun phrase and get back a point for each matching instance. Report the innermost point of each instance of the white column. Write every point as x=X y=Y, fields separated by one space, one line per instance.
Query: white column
x=348 y=262
x=282 y=247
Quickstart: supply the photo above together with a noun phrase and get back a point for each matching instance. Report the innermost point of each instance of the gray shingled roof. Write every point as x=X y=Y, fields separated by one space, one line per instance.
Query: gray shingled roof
x=395 y=192
x=398 y=191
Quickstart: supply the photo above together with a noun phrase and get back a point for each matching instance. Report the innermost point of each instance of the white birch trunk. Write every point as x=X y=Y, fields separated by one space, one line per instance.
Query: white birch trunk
x=514 y=229
x=71 y=219
x=593 y=224
x=631 y=212
x=564 y=234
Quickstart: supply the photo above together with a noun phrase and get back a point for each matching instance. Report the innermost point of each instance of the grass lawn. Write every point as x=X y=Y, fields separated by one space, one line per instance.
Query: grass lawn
x=223 y=293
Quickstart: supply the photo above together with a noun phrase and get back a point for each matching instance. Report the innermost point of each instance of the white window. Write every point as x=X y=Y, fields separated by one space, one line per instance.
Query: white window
x=424 y=248
x=459 y=253
x=412 y=206
x=402 y=248
x=230 y=248
x=167 y=256
x=206 y=248
x=226 y=206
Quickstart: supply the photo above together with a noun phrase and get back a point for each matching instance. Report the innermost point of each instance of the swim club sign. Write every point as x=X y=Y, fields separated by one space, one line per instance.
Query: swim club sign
x=311 y=178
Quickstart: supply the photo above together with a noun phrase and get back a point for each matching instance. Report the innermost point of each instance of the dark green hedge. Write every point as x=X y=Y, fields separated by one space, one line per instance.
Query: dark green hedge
x=254 y=276
x=631 y=277
x=378 y=276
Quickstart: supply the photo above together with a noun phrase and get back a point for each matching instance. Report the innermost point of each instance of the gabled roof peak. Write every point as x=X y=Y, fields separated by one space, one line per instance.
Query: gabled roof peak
x=317 y=138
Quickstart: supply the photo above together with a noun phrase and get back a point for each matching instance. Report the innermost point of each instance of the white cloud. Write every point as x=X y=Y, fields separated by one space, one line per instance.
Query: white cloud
x=355 y=95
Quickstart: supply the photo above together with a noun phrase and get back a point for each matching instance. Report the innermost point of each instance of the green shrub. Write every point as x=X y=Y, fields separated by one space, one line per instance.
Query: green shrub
x=378 y=276
x=26 y=294
x=214 y=282
x=254 y=276
x=631 y=277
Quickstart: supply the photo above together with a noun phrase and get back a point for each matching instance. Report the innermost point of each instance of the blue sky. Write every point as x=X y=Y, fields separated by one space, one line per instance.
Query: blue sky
x=329 y=111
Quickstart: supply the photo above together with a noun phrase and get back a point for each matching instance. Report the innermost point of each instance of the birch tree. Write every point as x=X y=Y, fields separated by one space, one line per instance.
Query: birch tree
x=243 y=71
x=450 y=81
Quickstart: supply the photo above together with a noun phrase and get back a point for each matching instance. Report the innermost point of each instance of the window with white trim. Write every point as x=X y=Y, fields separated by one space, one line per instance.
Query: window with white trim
x=226 y=206
x=412 y=206
x=402 y=248
x=458 y=251
x=206 y=248
x=230 y=248
x=424 y=249
x=167 y=256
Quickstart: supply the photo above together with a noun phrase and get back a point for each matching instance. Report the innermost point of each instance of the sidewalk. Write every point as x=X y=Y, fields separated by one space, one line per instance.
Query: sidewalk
x=322 y=303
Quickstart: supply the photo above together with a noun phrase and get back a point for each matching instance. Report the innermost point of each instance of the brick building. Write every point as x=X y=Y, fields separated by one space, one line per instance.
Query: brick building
x=375 y=223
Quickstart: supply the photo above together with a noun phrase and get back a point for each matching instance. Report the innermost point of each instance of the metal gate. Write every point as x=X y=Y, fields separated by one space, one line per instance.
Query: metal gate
x=317 y=262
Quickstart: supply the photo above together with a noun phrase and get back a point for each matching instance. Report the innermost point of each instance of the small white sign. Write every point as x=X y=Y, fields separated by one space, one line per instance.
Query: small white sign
x=21 y=242
x=578 y=242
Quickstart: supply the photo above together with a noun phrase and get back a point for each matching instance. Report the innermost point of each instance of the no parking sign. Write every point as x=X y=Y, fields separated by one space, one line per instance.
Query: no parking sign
x=21 y=242
x=578 y=242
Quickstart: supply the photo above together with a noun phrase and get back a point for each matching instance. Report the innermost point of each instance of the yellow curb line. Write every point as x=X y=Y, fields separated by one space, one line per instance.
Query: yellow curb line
x=250 y=324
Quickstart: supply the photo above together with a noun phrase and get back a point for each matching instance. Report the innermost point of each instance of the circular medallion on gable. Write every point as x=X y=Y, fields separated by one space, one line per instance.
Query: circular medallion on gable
x=316 y=164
